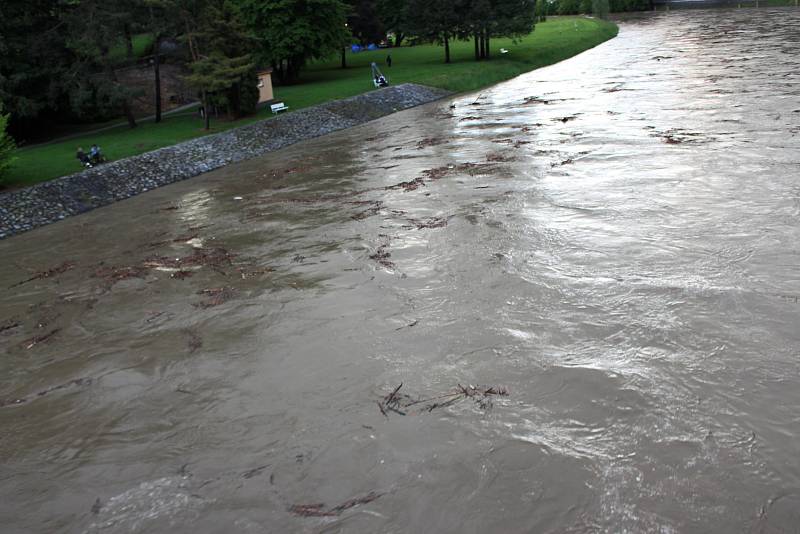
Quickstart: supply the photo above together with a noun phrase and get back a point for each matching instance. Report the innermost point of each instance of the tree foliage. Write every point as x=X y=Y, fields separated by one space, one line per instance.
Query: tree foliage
x=162 y=24
x=589 y=7
x=395 y=15
x=441 y=21
x=292 y=32
x=7 y=146
x=95 y=27
x=364 y=22
x=33 y=57
x=219 y=46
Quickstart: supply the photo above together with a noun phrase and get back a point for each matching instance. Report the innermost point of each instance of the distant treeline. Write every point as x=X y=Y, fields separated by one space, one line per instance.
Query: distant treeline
x=60 y=59
x=576 y=7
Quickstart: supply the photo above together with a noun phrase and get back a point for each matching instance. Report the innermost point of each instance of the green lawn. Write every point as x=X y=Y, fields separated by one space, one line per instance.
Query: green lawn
x=552 y=41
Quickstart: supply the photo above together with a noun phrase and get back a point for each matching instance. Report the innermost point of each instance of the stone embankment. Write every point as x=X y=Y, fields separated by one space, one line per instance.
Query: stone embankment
x=48 y=202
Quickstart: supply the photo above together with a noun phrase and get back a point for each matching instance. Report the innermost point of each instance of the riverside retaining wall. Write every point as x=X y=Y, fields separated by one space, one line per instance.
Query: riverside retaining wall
x=48 y=202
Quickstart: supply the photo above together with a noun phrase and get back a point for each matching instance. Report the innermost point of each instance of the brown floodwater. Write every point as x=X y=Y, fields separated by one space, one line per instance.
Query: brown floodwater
x=585 y=279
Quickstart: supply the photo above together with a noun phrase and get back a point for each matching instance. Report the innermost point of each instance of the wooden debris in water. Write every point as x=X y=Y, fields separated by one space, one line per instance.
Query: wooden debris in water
x=408 y=186
x=319 y=509
x=246 y=273
x=112 y=275
x=36 y=340
x=8 y=324
x=217 y=296
x=382 y=256
x=79 y=382
x=438 y=172
x=497 y=158
x=430 y=222
x=199 y=257
x=255 y=471
x=430 y=141
x=535 y=100
x=567 y=161
x=49 y=273
x=194 y=341
x=178 y=239
x=376 y=207
x=677 y=136
x=402 y=404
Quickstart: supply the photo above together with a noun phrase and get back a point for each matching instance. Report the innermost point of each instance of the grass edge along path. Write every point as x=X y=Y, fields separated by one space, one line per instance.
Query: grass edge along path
x=555 y=40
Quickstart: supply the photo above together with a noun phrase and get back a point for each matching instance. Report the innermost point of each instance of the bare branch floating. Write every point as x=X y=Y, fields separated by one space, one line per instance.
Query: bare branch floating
x=402 y=404
x=319 y=510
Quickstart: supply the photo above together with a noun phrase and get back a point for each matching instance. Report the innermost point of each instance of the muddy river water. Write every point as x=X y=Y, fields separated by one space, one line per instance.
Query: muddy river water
x=585 y=279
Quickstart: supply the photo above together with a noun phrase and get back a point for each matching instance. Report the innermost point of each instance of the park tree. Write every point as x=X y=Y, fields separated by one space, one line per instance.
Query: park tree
x=542 y=10
x=477 y=17
x=291 y=32
x=33 y=58
x=364 y=22
x=600 y=8
x=488 y=19
x=513 y=19
x=436 y=20
x=221 y=67
x=394 y=14
x=162 y=23
x=7 y=146
x=95 y=28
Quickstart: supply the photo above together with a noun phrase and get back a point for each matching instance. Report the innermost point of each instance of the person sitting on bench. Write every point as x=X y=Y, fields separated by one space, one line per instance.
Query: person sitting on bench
x=83 y=158
x=95 y=155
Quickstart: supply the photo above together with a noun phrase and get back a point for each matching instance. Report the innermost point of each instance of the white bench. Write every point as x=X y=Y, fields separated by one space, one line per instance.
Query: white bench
x=280 y=106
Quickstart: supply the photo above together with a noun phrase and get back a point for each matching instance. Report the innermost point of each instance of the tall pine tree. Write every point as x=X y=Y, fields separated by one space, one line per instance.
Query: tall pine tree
x=221 y=65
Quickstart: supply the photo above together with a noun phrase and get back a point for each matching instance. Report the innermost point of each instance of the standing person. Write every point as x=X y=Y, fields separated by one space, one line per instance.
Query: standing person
x=388 y=60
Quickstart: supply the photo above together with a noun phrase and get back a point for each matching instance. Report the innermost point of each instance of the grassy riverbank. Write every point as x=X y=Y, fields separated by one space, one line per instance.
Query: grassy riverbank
x=552 y=41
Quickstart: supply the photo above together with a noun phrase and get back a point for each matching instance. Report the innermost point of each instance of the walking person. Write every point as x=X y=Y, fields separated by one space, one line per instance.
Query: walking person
x=388 y=60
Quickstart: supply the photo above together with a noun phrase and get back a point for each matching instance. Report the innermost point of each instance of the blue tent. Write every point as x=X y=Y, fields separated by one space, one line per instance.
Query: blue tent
x=355 y=48
x=372 y=46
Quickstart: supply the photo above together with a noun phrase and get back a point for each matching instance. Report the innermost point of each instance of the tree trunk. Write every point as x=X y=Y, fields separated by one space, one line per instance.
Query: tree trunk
x=293 y=67
x=482 y=44
x=446 y=48
x=126 y=110
x=128 y=41
x=487 y=45
x=344 y=57
x=398 y=38
x=477 y=51
x=157 y=76
x=206 y=111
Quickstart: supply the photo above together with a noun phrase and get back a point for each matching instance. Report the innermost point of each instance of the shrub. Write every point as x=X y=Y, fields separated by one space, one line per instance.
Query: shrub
x=7 y=147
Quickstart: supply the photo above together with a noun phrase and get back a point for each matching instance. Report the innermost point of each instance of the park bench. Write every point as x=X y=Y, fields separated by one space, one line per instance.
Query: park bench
x=280 y=106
